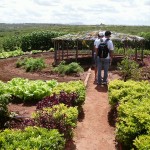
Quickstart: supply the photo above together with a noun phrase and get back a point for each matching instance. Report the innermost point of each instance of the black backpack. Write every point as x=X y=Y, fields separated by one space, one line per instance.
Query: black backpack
x=103 y=49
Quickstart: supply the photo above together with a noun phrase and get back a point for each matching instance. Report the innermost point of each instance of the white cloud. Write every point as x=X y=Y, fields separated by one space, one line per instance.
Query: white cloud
x=135 y=12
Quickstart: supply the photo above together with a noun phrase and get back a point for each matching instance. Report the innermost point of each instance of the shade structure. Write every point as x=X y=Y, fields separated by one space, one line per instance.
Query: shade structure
x=84 y=41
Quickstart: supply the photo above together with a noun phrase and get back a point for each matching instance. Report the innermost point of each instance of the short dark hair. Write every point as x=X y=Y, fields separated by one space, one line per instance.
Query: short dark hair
x=107 y=33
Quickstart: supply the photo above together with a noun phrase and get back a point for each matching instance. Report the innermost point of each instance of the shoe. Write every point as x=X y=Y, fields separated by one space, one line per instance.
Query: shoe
x=105 y=83
x=99 y=83
x=95 y=81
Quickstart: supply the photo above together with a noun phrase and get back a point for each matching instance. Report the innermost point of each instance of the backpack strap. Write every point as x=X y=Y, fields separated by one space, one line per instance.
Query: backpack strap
x=101 y=40
x=106 y=44
x=107 y=40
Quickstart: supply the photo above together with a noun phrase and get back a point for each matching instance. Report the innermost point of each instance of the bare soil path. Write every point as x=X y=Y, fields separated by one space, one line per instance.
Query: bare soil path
x=94 y=131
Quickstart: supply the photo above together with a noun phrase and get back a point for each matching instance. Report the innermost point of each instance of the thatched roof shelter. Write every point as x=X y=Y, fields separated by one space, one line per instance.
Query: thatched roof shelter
x=93 y=35
x=84 y=40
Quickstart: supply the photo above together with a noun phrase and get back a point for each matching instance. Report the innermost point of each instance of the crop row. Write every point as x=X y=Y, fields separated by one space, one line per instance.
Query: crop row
x=132 y=100
x=57 y=109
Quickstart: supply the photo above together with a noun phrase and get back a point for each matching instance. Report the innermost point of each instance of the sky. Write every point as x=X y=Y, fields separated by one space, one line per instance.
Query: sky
x=86 y=12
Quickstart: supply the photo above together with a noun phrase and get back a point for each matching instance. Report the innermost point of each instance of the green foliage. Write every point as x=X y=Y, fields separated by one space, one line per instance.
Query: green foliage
x=120 y=91
x=4 y=100
x=3 y=87
x=11 y=53
x=129 y=69
x=27 y=90
x=21 y=62
x=31 y=64
x=132 y=122
x=41 y=40
x=63 y=116
x=34 y=90
x=63 y=68
x=72 y=86
x=142 y=142
x=11 y=43
x=32 y=138
x=133 y=109
x=14 y=31
x=146 y=35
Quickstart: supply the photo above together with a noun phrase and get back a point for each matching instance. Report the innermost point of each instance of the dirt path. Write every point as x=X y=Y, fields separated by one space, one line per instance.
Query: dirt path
x=94 y=131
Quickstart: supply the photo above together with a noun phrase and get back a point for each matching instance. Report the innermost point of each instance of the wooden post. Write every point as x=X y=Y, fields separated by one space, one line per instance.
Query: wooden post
x=58 y=51
x=135 y=52
x=55 y=53
x=67 y=49
x=76 y=51
x=142 y=52
x=62 y=47
x=125 y=46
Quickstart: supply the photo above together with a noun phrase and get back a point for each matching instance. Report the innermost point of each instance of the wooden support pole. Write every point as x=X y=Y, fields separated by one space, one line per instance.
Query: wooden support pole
x=62 y=49
x=142 y=52
x=76 y=51
x=67 y=49
x=55 y=53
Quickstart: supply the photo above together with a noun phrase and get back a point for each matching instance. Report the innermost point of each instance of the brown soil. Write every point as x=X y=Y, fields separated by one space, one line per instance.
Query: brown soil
x=95 y=129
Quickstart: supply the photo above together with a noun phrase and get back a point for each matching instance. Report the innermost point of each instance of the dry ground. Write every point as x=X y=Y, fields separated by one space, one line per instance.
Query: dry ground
x=95 y=129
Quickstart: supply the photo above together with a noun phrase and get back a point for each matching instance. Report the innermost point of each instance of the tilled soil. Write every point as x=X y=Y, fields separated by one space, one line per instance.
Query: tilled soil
x=95 y=129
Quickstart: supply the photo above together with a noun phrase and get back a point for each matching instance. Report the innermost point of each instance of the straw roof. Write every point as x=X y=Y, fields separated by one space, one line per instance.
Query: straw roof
x=93 y=35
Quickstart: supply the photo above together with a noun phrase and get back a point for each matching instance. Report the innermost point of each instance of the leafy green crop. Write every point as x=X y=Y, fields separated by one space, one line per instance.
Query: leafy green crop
x=28 y=90
x=31 y=64
x=63 y=68
x=142 y=142
x=133 y=99
x=72 y=86
x=59 y=117
x=129 y=69
x=32 y=138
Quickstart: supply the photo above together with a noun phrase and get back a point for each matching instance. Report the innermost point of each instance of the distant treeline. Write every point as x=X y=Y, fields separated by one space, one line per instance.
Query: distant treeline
x=13 y=35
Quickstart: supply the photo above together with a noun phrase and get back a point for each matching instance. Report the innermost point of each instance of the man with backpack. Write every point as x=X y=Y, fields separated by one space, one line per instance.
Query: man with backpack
x=97 y=40
x=104 y=51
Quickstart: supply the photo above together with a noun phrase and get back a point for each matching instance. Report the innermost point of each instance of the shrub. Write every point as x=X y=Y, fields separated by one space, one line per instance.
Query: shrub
x=4 y=100
x=72 y=86
x=41 y=40
x=58 y=117
x=142 y=142
x=65 y=98
x=129 y=69
x=133 y=109
x=31 y=64
x=32 y=138
x=28 y=90
x=63 y=68
x=11 y=44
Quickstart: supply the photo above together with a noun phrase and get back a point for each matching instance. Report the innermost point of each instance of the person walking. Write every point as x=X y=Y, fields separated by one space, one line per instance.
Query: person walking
x=106 y=59
x=97 y=41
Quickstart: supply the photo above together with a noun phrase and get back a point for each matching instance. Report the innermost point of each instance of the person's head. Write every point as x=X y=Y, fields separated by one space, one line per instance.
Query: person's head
x=107 y=34
x=100 y=34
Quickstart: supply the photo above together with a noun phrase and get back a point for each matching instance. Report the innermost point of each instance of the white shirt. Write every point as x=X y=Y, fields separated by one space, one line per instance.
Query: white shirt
x=109 y=44
x=97 y=41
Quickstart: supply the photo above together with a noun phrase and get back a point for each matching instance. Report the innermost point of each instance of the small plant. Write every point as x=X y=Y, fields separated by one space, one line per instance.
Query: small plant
x=51 y=49
x=63 y=68
x=32 y=138
x=63 y=97
x=60 y=117
x=31 y=64
x=129 y=69
x=21 y=62
x=4 y=100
